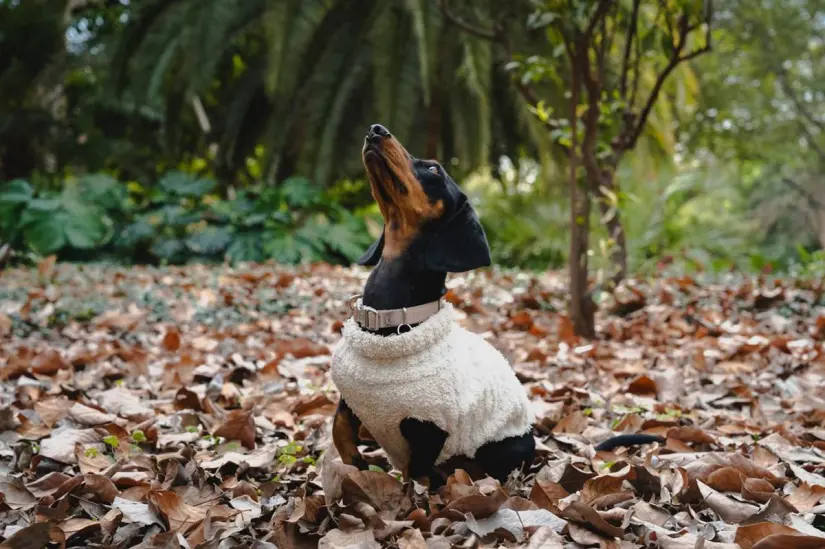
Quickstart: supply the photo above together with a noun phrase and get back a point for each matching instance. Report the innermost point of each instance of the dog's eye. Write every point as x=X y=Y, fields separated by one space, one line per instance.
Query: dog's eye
x=433 y=169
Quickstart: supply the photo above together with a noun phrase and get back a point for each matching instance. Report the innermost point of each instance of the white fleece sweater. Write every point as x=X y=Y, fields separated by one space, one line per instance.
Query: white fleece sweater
x=437 y=372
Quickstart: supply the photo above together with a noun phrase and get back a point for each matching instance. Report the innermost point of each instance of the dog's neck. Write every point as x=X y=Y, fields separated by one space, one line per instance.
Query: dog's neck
x=402 y=282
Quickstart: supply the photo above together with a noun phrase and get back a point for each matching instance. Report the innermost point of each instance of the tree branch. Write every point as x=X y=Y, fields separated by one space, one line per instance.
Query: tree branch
x=675 y=59
x=472 y=29
x=804 y=192
x=628 y=46
x=790 y=92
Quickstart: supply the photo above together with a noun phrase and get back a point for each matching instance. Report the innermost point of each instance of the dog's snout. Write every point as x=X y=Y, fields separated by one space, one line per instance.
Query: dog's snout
x=377 y=132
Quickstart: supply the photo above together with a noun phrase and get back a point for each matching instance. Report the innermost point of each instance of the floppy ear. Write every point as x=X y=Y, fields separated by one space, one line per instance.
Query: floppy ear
x=373 y=254
x=459 y=244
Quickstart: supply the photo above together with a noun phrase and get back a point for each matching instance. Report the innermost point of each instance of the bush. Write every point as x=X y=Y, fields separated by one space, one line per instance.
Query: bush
x=180 y=219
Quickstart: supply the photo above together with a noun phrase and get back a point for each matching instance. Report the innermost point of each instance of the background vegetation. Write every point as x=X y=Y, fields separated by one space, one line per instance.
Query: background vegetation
x=206 y=130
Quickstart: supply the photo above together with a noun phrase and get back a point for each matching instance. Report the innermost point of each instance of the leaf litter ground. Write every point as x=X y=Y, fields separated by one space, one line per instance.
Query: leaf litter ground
x=191 y=407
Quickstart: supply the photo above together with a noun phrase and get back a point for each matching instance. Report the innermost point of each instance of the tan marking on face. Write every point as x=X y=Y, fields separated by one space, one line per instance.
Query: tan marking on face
x=403 y=212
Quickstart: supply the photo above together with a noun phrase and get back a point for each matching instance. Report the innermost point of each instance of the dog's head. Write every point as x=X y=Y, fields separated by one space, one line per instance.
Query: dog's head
x=423 y=209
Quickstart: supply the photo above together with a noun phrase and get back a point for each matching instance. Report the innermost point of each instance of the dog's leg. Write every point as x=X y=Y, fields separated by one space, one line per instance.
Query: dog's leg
x=500 y=458
x=425 y=439
x=345 y=435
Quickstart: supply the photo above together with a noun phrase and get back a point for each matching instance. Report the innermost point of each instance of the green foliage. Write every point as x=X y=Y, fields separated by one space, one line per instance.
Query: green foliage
x=49 y=222
x=180 y=219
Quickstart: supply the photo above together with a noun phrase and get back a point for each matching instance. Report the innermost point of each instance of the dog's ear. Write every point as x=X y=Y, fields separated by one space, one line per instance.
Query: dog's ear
x=459 y=244
x=373 y=254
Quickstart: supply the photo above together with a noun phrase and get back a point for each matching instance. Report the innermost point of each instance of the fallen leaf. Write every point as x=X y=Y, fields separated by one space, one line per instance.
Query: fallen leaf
x=240 y=426
x=134 y=511
x=784 y=541
x=749 y=536
x=77 y=526
x=377 y=489
x=181 y=516
x=727 y=508
x=726 y=479
x=60 y=446
x=412 y=539
x=544 y=538
x=15 y=494
x=514 y=522
x=34 y=536
x=805 y=496
x=49 y=363
x=585 y=515
x=338 y=539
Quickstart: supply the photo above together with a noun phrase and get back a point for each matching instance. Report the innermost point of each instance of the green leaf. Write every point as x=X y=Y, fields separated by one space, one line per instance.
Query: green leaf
x=169 y=249
x=186 y=185
x=86 y=227
x=112 y=441
x=139 y=436
x=299 y=192
x=103 y=190
x=210 y=241
x=16 y=191
x=245 y=247
x=44 y=233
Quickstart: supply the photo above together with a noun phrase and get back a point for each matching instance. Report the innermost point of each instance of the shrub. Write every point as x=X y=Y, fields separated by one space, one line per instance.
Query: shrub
x=181 y=219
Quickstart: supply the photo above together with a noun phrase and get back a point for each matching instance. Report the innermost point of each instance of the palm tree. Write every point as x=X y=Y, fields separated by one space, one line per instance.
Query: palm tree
x=304 y=78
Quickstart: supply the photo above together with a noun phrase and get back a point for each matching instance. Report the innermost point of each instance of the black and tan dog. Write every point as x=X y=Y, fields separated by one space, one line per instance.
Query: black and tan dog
x=429 y=411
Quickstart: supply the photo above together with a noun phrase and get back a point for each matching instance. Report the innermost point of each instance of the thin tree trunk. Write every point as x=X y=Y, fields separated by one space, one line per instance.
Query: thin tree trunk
x=582 y=309
x=615 y=228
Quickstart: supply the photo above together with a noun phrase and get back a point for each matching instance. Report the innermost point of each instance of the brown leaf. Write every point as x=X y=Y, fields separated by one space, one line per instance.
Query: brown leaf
x=805 y=496
x=92 y=461
x=181 y=516
x=14 y=494
x=412 y=539
x=338 y=539
x=726 y=479
x=171 y=340
x=547 y=494
x=378 y=489
x=574 y=423
x=35 y=536
x=479 y=505
x=750 y=535
x=545 y=538
x=642 y=385
x=333 y=473
x=239 y=425
x=598 y=487
x=757 y=489
x=585 y=515
x=78 y=526
x=727 y=508
x=5 y=325
x=47 y=484
x=162 y=540
x=45 y=268
x=690 y=434
x=102 y=487
x=61 y=445
x=49 y=363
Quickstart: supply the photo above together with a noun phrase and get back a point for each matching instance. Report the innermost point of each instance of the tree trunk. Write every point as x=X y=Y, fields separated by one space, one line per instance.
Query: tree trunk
x=618 y=250
x=582 y=309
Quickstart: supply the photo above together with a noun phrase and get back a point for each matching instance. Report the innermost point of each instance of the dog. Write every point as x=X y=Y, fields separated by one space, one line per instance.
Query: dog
x=433 y=395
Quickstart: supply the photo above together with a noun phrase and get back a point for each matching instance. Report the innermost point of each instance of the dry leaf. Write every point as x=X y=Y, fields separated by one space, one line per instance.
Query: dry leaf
x=378 y=489
x=727 y=508
x=181 y=516
x=338 y=539
x=240 y=426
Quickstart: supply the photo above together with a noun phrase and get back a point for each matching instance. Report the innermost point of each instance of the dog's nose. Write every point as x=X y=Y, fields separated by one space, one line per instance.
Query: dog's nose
x=376 y=133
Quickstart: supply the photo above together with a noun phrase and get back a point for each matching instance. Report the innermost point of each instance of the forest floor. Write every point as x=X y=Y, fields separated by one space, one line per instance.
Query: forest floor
x=191 y=407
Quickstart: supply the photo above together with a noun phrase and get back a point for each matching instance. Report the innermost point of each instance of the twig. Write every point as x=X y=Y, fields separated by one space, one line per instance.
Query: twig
x=675 y=59
x=804 y=192
x=791 y=93
x=472 y=29
x=631 y=33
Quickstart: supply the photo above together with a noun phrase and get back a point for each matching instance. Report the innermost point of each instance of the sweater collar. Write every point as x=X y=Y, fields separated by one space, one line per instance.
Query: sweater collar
x=423 y=336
